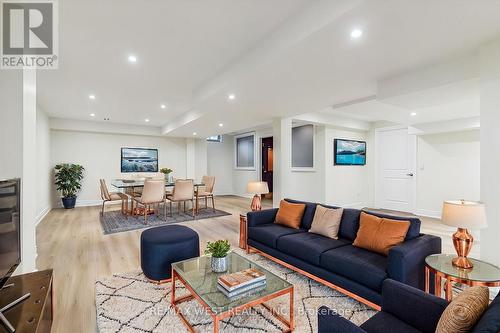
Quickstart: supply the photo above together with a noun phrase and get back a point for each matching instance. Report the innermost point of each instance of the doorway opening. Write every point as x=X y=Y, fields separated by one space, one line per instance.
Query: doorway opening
x=267 y=164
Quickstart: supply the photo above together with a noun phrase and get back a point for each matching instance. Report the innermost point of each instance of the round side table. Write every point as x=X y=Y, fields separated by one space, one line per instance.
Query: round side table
x=482 y=274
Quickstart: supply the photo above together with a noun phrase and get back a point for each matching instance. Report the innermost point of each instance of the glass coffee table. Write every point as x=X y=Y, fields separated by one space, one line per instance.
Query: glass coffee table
x=482 y=274
x=197 y=276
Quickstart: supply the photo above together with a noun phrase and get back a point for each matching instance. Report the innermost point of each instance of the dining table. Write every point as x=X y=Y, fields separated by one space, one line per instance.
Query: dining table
x=130 y=185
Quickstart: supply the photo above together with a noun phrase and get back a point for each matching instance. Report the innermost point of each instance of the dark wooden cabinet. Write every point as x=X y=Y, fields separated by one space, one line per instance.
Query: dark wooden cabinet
x=34 y=315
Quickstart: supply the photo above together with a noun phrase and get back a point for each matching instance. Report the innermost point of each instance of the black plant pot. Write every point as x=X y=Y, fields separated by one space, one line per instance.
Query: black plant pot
x=69 y=202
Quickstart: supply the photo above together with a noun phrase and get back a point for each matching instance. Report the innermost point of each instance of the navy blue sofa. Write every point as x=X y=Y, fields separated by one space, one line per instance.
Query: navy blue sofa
x=355 y=271
x=405 y=310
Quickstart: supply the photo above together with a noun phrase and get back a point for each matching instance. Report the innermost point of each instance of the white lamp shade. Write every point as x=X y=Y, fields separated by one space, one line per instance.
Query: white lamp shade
x=464 y=214
x=257 y=188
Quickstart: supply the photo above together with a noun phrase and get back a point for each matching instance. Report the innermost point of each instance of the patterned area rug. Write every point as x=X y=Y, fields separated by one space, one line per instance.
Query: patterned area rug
x=114 y=221
x=129 y=303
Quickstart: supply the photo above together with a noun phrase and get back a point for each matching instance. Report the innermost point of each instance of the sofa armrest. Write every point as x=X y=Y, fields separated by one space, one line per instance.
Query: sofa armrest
x=412 y=306
x=261 y=217
x=330 y=322
x=406 y=262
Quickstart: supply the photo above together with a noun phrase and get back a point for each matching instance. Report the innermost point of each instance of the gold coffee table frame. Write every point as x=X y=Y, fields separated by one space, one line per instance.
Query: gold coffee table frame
x=240 y=304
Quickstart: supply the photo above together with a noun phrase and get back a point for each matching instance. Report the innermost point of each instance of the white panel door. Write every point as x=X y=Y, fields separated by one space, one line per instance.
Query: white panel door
x=396 y=180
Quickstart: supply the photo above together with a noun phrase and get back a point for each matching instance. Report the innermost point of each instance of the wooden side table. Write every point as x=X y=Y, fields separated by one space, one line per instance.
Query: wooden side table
x=482 y=274
x=243 y=231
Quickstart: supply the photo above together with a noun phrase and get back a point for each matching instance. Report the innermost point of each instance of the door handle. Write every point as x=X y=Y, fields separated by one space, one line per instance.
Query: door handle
x=410 y=174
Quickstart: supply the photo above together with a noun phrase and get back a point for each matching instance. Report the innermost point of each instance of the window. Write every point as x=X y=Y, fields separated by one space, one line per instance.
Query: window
x=245 y=151
x=215 y=138
x=303 y=147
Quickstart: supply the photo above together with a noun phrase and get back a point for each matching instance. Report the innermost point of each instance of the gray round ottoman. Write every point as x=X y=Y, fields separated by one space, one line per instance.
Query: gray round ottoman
x=162 y=246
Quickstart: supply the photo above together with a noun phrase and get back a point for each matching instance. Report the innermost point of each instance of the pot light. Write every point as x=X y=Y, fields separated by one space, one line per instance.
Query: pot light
x=146 y=120
x=231 y=97
x=413 y=114
x=356 y=33
x=221 y=124
x=194 y=133
x=92 y=96
x=132 y=58
x=163 y=106
x=92 y=114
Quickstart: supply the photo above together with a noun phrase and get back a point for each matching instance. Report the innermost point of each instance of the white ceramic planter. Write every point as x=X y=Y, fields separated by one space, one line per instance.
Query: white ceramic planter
x=219 y=265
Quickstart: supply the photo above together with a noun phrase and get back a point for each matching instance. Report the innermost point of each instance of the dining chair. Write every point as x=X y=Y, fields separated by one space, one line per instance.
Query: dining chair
x=183 y=191
x=153 y=194
x=107 y=196
x=206 y=191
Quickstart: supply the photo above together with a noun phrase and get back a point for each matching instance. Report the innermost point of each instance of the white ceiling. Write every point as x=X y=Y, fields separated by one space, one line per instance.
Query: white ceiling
x=279 y=57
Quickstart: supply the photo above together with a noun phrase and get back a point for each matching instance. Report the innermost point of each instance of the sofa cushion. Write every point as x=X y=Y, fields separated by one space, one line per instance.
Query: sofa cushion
x=490 y=321
x=380 y=234
x=383 y=322
x=413 y=231
x=308 y=216
x=268 y=234
x=308 y=246
x=326 y=221
x=365 y=267
x=349 y=224
x=464 y=311
x=290 y=214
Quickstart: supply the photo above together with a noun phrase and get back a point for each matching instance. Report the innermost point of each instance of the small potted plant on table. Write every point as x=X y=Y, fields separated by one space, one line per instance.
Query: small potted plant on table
x=166 y=172
x=219 y=250
x=68 y=182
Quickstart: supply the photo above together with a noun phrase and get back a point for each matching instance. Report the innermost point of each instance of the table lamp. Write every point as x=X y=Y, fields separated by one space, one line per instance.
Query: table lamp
x=257 y=188
x=463 y=215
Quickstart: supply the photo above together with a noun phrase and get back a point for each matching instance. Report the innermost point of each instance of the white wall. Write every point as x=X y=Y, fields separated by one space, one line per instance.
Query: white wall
x=349 y=186
x=100 y=155
x=490 y=148
x=43 y=167
x=448 y=168
x=310 y=185
x=220 y=164
x=11 y=119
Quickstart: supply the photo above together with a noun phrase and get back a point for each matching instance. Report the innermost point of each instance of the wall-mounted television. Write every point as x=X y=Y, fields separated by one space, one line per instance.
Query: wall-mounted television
x=349 y=152
x=139 y=160
x=10 y=227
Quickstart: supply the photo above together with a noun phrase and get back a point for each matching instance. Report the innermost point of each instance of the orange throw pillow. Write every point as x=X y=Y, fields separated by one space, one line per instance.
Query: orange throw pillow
x=380 y=234
x=290 y=214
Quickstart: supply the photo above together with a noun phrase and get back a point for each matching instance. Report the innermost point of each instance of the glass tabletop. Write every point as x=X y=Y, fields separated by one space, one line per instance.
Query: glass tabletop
x=198 y=274
x=482 y=271
x=120 y=183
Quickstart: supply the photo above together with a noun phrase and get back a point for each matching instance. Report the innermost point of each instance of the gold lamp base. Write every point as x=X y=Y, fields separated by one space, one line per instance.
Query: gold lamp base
x=462 y=240
x=256 y=203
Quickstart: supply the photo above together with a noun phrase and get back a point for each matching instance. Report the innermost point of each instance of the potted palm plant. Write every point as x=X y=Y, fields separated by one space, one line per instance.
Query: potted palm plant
x=219 y=250
x=68 y=180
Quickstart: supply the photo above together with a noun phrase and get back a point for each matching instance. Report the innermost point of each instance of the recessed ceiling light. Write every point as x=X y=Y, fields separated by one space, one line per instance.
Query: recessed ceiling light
x=413 y=114
x=231 y=97
x=356 y=33
x=163 y=106
x=92 y=96
x=221 y=124
x=194 y=133
x=146 y=120
x=92 y=114
x=132 y=58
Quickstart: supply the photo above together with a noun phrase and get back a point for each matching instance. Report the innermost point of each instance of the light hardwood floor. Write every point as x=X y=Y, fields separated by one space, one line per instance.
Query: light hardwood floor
x=73 y=244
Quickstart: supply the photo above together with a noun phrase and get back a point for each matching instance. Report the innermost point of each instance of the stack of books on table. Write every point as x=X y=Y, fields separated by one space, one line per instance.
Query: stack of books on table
x=243 y=282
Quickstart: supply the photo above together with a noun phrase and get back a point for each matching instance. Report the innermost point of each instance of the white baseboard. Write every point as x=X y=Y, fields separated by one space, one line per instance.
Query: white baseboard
x=85 y=203
x=42 y=214
x=428 y=213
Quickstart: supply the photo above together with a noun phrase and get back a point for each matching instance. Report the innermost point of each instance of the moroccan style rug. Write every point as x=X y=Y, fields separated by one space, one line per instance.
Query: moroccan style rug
x=114 y=221
x=129 y=303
